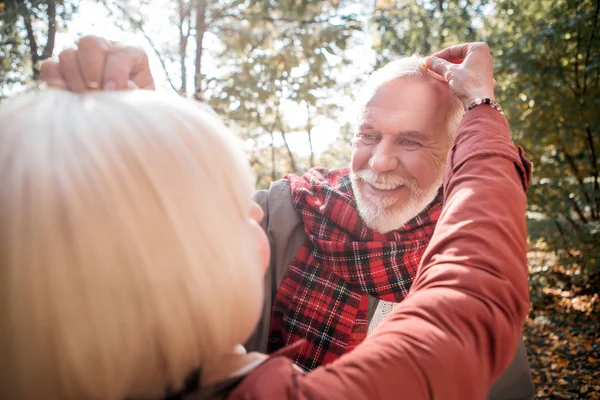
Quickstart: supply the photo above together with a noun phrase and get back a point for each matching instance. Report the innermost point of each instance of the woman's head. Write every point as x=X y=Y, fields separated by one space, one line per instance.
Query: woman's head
x=127 y=255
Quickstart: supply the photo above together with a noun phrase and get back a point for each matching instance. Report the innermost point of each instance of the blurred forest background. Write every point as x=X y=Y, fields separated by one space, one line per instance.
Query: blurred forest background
x=283 y=73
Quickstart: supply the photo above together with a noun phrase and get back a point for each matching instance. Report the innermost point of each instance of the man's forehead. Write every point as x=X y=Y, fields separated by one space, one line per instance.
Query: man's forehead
x=412 y=90
x=374 y=126
x=394 y=126
x=419 y=119
x=414 y=101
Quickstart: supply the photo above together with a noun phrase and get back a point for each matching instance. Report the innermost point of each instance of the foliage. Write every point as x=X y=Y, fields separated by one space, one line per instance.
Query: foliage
x=549 y=73
x=270 y=56
x=560 y=333
x=548 y=68
x=424 y=26
x=12 y=49
x=338 y=154
x=276 y=54
x=254 y=61
x=28 y=27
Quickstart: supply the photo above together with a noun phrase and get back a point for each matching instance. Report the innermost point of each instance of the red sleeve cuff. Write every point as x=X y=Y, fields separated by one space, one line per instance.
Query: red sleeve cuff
x=480 y=122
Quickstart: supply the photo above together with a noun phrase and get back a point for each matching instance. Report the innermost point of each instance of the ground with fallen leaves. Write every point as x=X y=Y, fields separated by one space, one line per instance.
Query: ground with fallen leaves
x=562 y=331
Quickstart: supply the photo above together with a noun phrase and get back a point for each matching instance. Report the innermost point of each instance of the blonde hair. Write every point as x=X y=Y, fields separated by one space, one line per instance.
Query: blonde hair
x=409 y=67
x=125 y=253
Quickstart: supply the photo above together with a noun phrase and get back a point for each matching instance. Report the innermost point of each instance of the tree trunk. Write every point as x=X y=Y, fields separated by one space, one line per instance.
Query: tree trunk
x=442 y=37
x=36 y=57
x=49 y=48
x=138 y=23
x=200 y=29
x=184 y=17
x=595 y=171
x=284 y=138
x=289 y=151
x=273 y=158
x=425 y=19
x=309 y=127
x=33 y=48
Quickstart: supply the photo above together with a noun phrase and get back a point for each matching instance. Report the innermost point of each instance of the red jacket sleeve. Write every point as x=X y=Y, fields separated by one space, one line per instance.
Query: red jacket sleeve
x=458 y=328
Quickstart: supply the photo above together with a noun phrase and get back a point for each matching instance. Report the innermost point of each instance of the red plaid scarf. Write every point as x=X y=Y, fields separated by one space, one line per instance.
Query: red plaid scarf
x=323 y=297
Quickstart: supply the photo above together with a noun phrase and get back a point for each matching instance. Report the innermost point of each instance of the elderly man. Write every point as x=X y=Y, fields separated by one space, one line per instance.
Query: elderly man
x=346 y=244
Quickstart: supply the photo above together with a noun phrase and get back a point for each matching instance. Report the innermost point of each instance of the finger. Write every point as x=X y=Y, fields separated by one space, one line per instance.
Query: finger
x=125 y=63
x=91 y=56
x=68 y=66
x=435 y=75
x=143 y=79
x=454 y=54
x=495 y=84
x=438 y=65
x=51 y=75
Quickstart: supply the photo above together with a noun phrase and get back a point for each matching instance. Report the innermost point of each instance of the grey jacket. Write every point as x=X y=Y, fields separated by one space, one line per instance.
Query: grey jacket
x=285 y=230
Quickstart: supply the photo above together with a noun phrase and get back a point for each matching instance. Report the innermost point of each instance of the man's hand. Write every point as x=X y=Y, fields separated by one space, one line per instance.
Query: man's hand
x=468 y=68
x=96 y=64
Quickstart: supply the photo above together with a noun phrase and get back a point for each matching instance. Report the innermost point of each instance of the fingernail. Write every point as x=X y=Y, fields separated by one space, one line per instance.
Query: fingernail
x=58 y=84
x=93 y=85
x=110 y=85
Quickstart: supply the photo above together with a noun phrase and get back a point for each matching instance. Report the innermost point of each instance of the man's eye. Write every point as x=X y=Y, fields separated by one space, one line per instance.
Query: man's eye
x=410 y=143
x=368 y=136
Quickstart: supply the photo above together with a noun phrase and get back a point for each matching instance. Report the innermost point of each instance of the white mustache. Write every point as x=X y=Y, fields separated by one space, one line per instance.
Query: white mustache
x=387 y=179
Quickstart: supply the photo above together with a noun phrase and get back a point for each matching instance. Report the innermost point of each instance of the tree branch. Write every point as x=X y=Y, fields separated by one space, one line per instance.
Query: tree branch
x=315 y=20
x=33 y=48
x=590 y=140
x=443 y=24
x=555 y=57
x=273 y=168
x=184 y=15
x=574 y=169
x=138 y=24
x=578 y=210
x=563 y=236
x=49 y=48
x=285 y=142
x=309 y=128
x=576 y=229
x=590 y=44
x=576 y=63
x=200 y=30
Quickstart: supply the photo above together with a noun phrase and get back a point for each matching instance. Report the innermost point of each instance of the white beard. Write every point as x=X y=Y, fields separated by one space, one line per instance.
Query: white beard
x=374 y=209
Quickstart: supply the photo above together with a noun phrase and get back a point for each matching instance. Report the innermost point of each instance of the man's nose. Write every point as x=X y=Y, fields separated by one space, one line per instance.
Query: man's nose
x=384 y=159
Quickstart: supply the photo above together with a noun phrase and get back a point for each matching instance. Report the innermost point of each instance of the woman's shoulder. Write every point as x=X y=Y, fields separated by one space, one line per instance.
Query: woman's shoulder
x=273 y=379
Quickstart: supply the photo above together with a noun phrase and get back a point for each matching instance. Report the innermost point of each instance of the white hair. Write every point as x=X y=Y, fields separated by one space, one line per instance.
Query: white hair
x=408 y=67
x=125 y=253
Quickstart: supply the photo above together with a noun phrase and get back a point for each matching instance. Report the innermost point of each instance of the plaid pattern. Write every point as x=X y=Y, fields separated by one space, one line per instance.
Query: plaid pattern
x=323 y=298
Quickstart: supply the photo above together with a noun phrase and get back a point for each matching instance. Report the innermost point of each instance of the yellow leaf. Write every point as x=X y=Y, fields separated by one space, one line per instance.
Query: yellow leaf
x=584 y=389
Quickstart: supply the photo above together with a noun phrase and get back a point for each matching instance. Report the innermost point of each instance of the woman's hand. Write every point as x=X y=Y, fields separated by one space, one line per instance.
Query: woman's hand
x=97 y=63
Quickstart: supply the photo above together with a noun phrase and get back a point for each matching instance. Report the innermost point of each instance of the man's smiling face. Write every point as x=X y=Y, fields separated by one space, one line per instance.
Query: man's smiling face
x=399 y=151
